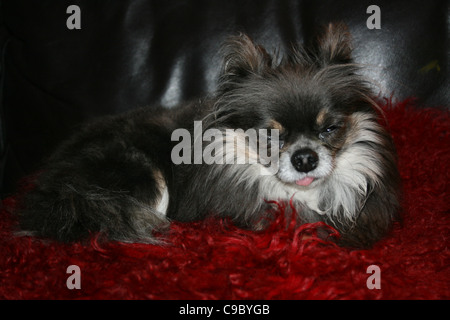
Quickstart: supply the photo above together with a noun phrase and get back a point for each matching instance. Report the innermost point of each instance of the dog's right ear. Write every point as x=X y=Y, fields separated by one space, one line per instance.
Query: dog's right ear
x=242 y=58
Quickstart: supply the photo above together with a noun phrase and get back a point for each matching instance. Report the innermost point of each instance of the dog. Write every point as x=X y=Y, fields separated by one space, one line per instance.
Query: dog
x=309 y=110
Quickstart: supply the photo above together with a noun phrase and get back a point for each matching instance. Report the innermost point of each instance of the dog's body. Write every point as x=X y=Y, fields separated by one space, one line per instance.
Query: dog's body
x=337 y=164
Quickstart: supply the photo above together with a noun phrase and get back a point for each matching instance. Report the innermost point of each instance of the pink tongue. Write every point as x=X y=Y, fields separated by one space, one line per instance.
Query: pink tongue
x=305 y=181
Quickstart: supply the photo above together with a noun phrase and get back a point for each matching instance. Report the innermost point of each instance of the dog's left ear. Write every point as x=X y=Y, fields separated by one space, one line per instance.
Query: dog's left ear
x=333 y=44
x=242 y=59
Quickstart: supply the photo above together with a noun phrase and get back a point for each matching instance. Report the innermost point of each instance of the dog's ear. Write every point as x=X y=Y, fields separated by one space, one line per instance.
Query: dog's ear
x=333 y=44
x=242 y=58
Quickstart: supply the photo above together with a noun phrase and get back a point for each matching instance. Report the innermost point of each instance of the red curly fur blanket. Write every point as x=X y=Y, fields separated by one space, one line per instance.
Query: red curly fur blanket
x=213 y=259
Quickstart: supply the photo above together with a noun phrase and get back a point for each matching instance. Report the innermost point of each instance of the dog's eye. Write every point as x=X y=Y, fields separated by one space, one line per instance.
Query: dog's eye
x=331 y=129
x=328 y=130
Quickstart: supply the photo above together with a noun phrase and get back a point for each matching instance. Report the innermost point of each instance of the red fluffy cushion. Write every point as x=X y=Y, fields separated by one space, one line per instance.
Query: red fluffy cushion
x=213 y=259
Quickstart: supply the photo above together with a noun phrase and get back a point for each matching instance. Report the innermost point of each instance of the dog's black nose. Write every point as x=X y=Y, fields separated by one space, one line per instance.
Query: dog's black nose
x=305 y=160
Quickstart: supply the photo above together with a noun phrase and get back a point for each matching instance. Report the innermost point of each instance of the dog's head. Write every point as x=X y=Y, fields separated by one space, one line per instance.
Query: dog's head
x=312 y=96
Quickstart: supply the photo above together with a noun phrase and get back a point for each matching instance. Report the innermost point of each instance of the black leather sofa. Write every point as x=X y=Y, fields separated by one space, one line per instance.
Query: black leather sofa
x=131 y=53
